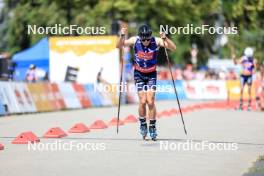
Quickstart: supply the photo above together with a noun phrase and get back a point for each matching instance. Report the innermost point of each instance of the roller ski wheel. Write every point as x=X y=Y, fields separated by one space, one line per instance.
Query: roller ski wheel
x=153 y=133
x=144 y=130
x=249 y=108
x=239 y=108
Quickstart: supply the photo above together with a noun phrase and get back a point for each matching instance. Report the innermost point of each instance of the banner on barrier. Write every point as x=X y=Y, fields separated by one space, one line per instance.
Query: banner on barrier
x=82 y=95
x=58 y=96
x=8 y=98
x=40 y=96
x=2 y=109
x=165 y=90
x=69 y=95
x=54 y=96
x=206 y=89
x=233 y=87
x=107 y=92
x=95 y=97
x=23 y=97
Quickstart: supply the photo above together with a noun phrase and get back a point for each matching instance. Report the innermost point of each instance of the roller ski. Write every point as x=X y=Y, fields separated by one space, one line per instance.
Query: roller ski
x=240 y=107
x=143 y=128
x=249 y=106
x=152 y=130
x=153 y=133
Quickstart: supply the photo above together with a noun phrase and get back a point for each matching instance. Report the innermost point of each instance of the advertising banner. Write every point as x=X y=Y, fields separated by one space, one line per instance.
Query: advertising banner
x=206 y=89
x=84 y=58
x=23 y=97
x=82 y=95
x=69 y=95
x=233 y=87
x=165 y=90
x=40 y=96
x=95 y=96
x=58 y=96
x=8 y=98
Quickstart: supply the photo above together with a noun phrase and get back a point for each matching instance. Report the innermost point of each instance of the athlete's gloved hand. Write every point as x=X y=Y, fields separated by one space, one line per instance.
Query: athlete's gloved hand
x=123 y=31
x=163 y=35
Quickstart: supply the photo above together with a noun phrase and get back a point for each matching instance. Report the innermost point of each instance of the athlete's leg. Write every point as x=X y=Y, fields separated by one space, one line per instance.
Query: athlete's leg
x=262 y=99
x=151 y=104
x=142 y=103
x=249 y=83
x=242 y=85
x=142 y=113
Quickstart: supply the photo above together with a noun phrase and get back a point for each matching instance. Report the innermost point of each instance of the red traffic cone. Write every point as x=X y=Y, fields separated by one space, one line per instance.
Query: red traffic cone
x=55 y=132
x=2 y=147
x=166 y=113
x=113 y=122
x=98 y=124
x=173 y=111
x=130 y=119
x=25 y=138
x=79 y=128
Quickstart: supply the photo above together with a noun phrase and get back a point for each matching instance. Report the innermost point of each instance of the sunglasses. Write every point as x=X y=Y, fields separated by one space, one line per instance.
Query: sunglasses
x=143 y=40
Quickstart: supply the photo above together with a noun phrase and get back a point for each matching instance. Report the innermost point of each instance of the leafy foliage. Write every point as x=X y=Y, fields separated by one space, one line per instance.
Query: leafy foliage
x=247 y=15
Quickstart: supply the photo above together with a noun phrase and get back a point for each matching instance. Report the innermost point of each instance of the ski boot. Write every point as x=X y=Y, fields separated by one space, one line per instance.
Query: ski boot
x=249 y=106
x=240 y=107
x=152 y=130
x=143 y=128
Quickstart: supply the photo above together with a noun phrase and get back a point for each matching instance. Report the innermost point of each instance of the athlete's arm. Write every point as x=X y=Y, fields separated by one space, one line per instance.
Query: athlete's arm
x=165 y=42
x=123 y=42
x=237 y=61
x=255 y=62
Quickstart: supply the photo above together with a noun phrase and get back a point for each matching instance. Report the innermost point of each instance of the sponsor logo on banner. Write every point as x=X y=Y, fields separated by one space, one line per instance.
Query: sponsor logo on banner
x=193 y=89
x=212 y=89
x=8 y=98
x=23 y=97
x=82 y=95
x=165 y=90
x=2 y=108
x=58 y=96
x=233 y=87
x=190 y=89
x=51 y=96
x=69 y=95
x=94 y=95
x=207 y=89
x=14 y=97
x=40 y=96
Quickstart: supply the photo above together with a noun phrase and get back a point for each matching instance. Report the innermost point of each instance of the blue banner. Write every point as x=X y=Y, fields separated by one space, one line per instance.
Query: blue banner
x=2 y=109
x=165 y=90
x=94 y=96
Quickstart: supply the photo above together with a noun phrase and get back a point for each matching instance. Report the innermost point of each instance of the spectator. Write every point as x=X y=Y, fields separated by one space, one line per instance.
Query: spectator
x=31 y=75
x=188 y=73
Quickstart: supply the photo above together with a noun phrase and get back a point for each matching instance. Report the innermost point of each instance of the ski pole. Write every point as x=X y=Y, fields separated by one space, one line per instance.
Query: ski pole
x=120 y=84
x=175 y=90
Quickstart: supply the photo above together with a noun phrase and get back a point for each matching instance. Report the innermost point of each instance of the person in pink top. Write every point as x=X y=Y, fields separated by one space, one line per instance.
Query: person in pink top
x=31 y=74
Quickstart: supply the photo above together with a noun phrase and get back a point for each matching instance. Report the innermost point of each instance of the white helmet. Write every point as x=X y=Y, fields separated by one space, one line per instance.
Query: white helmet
x=249 y=52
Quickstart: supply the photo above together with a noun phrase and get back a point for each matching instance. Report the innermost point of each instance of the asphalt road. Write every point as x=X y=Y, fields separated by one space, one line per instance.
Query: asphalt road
x=125 y=154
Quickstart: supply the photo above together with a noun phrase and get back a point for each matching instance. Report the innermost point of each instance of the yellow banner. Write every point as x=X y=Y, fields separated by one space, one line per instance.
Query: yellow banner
x=83 y=44
x=233 y=87
x=40 y=97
